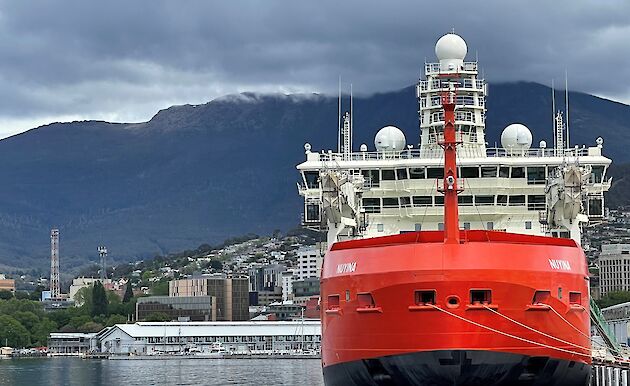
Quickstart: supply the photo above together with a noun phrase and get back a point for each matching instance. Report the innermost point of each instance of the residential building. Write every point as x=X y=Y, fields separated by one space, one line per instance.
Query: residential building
x=288 y=277
x=232 y=295
x=84 y=282
x=265 y=298
x=614 y=268
x=309 y=262
x=190 y=308
x=7 y=284
x=306 y=288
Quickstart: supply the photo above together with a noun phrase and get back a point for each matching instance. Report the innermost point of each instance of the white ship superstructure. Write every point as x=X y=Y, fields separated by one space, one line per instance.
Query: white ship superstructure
x=394 y=188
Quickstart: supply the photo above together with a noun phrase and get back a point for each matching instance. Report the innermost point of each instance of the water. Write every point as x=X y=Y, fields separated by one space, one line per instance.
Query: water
x=80 y=372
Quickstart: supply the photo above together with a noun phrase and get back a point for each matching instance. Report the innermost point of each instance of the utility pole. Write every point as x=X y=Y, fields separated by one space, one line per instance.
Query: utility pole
x=102 y=252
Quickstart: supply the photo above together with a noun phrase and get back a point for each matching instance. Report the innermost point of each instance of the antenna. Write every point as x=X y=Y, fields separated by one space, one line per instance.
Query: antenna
x=351 y=121
x=566 y=102
x=339 y=119
x=102 y=253
x=553 y=113
x=55 y=290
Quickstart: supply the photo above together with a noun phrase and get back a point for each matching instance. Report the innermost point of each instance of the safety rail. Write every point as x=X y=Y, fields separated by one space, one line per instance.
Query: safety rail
x=434 y=68
x=603 y=329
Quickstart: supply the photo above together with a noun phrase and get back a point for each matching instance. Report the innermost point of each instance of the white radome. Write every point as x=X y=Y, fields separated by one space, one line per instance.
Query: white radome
x=390 y=138
x=516 y=137
x=451 y=46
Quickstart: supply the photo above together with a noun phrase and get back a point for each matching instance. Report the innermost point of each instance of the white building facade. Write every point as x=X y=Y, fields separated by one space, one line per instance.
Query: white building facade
x=614 y=268
x=310 y=262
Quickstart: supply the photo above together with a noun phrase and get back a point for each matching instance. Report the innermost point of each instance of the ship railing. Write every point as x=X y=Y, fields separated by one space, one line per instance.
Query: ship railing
x=439 y=85
x=465 y=151
x=434 y=68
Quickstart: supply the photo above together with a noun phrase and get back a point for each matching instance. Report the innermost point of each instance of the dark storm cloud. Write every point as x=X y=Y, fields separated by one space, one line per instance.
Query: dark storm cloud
x=123 y=60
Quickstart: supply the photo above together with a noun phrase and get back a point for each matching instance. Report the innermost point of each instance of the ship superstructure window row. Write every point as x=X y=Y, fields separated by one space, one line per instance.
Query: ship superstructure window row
x=375 y=204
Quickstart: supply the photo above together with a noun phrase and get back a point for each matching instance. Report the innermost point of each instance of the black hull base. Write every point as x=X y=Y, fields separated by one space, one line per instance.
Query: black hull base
x=459 y=368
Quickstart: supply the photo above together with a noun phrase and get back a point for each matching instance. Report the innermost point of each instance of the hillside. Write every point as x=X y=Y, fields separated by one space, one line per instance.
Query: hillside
x=196 y=174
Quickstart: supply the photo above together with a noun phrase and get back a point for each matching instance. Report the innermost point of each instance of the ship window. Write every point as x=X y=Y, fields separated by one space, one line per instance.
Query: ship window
x=435 y=173
x=311 y=178
x=470 y=172
x=333 y=302
x=488 y=171
x=423 y=298
x=541 y=297
x=594 y=206
x=380 y=227
x=440 y=226
x=405 y=202
x=490 y=225
x=501 y=199
x=371 y=176
x=387 y=175
x=504 y=171
x=536 y=175
x=575 y=298
x=418 y=227
x=401 y=174
x=480 y=296
x=597 y=174
x=372 y=205
x=366 y=300
x=467 y=226
x=347 y=295
x=518 y=172
x=439 y=200
x=484 y=200
x=312 y=212
x=390 y=202
x=517 y=200
x=416 y=173
x=421 y=200
x=536 y=202
x=465 y=200
x=528 y=225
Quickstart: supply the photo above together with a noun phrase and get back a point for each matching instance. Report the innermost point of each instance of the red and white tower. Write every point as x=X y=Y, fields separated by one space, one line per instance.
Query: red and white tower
x=55 y=292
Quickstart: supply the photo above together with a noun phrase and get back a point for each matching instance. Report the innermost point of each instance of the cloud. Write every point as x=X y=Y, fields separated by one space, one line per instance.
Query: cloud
x=124 y=60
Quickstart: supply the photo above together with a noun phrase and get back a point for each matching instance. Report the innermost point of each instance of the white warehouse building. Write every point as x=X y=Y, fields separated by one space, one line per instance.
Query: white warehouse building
x=151 y=338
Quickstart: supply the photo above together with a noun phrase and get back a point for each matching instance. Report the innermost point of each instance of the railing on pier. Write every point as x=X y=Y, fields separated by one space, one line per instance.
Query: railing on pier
x=604 y=330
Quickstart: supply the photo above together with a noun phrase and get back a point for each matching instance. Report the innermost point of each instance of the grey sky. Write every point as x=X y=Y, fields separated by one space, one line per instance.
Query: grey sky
x=124 y=60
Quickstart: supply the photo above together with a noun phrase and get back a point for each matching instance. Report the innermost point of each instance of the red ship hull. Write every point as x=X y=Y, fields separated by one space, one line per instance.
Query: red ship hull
x=530 y=327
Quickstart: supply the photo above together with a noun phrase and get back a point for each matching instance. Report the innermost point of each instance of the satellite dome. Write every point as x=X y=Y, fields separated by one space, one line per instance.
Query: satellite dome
x=516 y=138
x=390 y=138
x=451 y=46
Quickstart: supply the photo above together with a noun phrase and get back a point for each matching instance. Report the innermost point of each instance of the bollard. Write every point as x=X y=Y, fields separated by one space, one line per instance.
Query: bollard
x=624 y=378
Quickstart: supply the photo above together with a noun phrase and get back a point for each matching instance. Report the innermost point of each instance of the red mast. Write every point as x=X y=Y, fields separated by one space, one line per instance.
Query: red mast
x=450 y=190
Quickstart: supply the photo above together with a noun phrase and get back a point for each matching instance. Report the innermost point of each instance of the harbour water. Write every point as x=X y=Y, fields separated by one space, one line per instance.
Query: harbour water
x=75 y=371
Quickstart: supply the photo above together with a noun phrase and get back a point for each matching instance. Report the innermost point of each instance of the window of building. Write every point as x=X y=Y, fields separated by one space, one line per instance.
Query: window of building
x=465 y=200
x=517 y=172
x=421 y=200
x=416 y=173
x=388 y=175
x=371 y=176
x=435 y=173
x=401 y=174
x=536 y=202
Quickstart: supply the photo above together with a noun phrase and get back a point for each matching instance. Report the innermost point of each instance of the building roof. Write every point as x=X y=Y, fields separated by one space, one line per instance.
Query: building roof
x=249 y=328
x=616 y=306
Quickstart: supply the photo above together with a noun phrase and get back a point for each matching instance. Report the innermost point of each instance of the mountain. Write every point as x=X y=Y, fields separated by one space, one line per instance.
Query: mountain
x=198 y=174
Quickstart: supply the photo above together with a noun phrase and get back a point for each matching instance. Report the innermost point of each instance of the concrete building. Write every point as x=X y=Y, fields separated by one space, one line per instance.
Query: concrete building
x=7 y=284
x=232 y=296
x=288 y=277
x=265 y=298
x=70 y=343
x=84 y=282
x=190 y=308
x=265 y=277
x=235 y=337
x=618 y=320
x=309 y=262
x=614 y=268
x=306 y=288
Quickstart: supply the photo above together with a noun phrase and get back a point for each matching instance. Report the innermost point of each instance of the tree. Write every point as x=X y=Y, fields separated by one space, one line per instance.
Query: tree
x=90 y=327
x=115 y=319
x=613 y=298
x=41 y=331
x=13 y=333
x=160 y=288
x=157 y=317
x=22 y=295
x=128 y=293
x=6 y=295
x=99 y=300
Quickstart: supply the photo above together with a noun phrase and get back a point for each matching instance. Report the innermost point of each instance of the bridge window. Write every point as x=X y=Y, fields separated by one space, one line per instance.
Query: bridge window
x=435 y=173
x=371 y=176
x=372 y=205
x=488 y=171
x=536 y=175
x=470 y=172
x=465 y=200
x=518 y=172
x=484 y=200
x=597 y=174
x=390 y=202
x=312 y=212
x=439 y=200
x=312 y=179
x=388 y=175
x=504 y=172
x=517 y=200
x=501 y=199
x=416 y=173
x=405 y=202
x=422 y=201
x=535 y=202
x=595 y=207
x=401 y=174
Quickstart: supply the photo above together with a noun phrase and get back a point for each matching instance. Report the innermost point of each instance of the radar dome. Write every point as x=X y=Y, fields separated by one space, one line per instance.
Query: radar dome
x=390 y=138
x=451 y=46
x=516 y=137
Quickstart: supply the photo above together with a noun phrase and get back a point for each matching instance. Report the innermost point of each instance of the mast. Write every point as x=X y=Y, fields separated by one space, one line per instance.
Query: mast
x=449 y=188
